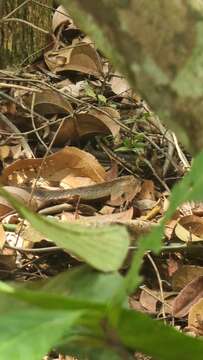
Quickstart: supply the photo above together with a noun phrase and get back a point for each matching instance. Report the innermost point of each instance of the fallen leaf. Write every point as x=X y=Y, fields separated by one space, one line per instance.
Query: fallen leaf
x=195 y=317
x=119 y=85
x=49 y=102
x=184 y=275
x=2 y=237
x=56 y=167
x=4 y=152
x=188 y=296
x=190 y=228
x=101 y=121
x=100 y=219
x=61 y=17
x=81 y=57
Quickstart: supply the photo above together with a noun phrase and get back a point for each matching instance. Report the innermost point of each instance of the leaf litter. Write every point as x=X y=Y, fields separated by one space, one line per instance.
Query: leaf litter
x=70 y=121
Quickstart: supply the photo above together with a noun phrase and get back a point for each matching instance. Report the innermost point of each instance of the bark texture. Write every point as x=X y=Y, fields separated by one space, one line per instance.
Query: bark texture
x=18 y=40
x=159 y=45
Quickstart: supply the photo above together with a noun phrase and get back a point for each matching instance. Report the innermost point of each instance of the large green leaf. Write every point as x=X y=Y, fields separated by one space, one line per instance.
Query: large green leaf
x=139 y=332
x=84 y=283
x=104 y=248
x=79 y=288
x=135 y=331
x=30 y=334
x=47 y=300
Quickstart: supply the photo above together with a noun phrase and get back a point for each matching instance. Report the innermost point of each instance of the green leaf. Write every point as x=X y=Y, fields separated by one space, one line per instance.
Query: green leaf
x=48 y=300
x=141 y=333
x=102 y=99
x=104 y=248
x=30 y=334
x=84 y=283
x=90 y=92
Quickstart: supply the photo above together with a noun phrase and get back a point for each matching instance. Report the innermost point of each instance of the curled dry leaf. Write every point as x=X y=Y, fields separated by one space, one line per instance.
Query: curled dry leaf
x=70 y=160
x=195 y=318
x=61 y=17
x=188 y=296
x=94 y=121
x=81 y=57
x=119 y=85
x=49 y=102
x=184 y=275
x=190 y=228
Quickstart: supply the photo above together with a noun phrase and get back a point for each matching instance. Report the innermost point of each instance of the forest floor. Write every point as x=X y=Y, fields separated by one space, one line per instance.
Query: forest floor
x=70 y=121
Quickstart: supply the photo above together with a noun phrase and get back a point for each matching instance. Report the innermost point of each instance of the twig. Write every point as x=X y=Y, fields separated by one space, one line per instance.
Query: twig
x=160 y=284
x=156 y=175
x=20 y=87
x=16 y=9
x=25 y=22
x=34 y=251
x=180 y=153
x=33 y=122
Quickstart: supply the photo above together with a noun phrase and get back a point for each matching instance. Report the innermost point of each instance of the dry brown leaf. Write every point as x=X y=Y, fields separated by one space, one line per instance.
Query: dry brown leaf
x=184 y=275
x=100 y=219
x=60 y=17
x=190 y=228
x=195 y=318
x=71 y=181
x=56 y=167
x=4 y=152
x=7 y=264
x=49 y=102
x=2 y=237
x=149 y=299
x=119 y=85
x=91 y=122
x=81 y=57
x=135 y=305
x=188 y=296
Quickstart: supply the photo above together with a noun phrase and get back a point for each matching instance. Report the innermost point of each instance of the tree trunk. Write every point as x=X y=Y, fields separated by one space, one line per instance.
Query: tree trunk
x=19 y=40
x=158 y=44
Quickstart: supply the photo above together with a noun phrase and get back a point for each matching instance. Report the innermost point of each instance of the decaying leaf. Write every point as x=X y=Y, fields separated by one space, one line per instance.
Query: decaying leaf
x=69 y=160
x=195 y=317
x=190 y=228
x=93 y=121
x=49 y=102
x=61 y=17
x=188 y=296
x=184 y=275
x=119 y=217
x=152 y=302
x=80 y=57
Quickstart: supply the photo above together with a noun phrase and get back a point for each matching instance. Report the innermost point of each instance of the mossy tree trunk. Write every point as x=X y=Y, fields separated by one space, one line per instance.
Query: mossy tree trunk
x=158 y=44
x=19 y=40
